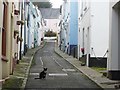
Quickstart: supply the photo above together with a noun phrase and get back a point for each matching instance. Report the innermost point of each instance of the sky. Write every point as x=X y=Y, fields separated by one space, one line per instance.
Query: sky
x=56 y=3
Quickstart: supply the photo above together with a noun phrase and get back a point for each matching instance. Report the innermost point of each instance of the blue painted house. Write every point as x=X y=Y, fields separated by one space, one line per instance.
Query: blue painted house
x=35 y=26
x=69 y=27
x=73 y=32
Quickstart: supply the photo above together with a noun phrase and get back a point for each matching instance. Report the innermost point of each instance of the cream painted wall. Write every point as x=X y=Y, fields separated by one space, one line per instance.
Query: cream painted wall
x=15 y=27
x=9 y=35
x=1 y=19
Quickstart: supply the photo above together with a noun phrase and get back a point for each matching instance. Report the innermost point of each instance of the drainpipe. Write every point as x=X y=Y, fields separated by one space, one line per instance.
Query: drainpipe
x=25 y=30
x=20 y=53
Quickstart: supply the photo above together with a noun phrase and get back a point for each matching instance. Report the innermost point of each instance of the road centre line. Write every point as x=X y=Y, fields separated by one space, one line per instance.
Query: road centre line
x=41 y=61
x=58 y=63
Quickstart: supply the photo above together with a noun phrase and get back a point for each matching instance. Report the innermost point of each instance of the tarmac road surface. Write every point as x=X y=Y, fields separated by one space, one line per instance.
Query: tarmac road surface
x=61 y=75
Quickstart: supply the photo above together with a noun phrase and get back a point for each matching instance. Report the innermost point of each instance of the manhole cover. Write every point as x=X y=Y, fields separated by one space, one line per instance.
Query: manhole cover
x=70 y=70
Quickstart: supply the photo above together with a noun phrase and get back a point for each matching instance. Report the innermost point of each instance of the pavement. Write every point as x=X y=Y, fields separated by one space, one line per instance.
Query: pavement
x=94 y=75
x=30 y=54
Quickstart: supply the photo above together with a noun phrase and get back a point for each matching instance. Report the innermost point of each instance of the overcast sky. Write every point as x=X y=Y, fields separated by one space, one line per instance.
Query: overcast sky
x=56 y=3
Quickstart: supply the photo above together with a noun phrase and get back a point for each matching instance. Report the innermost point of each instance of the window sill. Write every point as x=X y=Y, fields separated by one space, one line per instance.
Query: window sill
x=4 y=58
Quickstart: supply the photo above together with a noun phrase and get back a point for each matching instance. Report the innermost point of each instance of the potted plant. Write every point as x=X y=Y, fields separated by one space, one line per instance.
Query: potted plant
x=20 y=22
x=16 y=12
x=16 y=32
x=20 y=39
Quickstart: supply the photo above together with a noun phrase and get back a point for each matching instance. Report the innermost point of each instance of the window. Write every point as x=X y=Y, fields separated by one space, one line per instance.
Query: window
x=38 y=24
x=4 y=31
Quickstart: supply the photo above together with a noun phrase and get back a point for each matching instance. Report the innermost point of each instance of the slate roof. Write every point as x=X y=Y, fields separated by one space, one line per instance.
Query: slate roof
x=50 y=13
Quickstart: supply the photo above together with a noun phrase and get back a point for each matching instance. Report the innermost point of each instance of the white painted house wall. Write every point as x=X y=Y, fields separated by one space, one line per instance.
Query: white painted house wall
x=95 y=21
x=52 y=24
x=99 y=27
x=114 y=40
x=84 y=23
x=113 y=36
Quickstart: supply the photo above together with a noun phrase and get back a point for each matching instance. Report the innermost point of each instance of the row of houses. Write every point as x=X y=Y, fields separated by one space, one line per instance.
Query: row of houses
x=89 y=31
x=21 y=28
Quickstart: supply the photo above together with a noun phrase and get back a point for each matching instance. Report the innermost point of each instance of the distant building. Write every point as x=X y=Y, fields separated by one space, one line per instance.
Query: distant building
x=51 y=17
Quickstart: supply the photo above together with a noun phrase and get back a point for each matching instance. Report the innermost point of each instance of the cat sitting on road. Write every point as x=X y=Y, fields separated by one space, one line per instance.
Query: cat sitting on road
x=42 y=75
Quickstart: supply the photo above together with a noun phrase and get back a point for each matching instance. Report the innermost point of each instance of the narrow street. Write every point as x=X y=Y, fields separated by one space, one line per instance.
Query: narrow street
x=76 y=40
x=60 y=74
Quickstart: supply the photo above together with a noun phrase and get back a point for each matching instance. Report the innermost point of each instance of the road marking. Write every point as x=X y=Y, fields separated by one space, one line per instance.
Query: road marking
x=34 y=73
x=41 y=61
x=71 y=70
x=58 y=74
x=58 y=63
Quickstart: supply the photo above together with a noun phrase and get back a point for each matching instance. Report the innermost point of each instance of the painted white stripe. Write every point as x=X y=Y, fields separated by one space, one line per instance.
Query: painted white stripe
x=58 y=74
x=41 y=61
x=34 y=73
x=71 y=70
x=58 y=63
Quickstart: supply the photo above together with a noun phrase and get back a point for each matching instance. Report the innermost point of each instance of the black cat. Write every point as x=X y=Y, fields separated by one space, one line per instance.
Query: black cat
x=42 y=75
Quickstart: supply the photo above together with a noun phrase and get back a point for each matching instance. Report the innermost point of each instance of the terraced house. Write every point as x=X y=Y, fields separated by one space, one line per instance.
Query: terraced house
x=35 y=26
x=69 y=27
x=8 y=35
x=21 y=27
x=93 y=32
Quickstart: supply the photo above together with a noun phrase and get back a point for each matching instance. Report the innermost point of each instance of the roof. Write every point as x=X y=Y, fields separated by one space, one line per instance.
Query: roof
x=50 y=13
